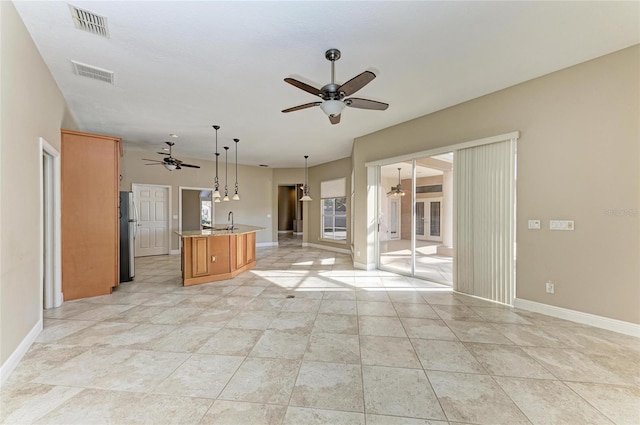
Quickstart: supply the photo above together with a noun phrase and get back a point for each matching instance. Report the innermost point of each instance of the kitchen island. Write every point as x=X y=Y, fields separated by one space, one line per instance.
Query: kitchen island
x=218 y=253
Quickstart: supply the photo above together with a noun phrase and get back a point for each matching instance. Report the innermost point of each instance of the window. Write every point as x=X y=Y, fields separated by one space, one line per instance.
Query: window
x=334 y=210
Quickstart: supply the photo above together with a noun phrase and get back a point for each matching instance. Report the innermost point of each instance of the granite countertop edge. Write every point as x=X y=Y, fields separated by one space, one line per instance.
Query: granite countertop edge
x=238 y=229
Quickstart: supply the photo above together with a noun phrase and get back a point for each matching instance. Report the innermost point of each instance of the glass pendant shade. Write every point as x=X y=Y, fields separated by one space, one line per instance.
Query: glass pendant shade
x=216 y=194
x=170 y=167
x=332 y=107
x=236 y=197
x=217 y=200
x=226 y=198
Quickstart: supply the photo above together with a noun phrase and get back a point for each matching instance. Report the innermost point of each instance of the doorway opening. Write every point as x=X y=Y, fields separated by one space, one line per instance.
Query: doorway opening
x=196 y=208
x=290 y=209
x=51 y=275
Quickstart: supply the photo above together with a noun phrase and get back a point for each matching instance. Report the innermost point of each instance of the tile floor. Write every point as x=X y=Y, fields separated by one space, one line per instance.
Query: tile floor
x=352 y=347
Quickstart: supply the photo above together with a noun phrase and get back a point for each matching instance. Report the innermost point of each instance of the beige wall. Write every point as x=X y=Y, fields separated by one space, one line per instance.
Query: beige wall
x=578 y=158
x=190 y=209
x=31 y=107
x=255 y=183
x=328 y=171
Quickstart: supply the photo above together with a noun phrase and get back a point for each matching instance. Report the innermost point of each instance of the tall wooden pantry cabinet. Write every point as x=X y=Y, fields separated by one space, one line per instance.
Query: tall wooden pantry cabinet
x=90 y=191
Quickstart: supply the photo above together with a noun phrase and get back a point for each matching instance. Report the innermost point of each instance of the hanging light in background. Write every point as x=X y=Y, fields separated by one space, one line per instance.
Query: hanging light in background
x=305 y=189
x=216 y=192
x=236 y=197
x=226 y=174
x=396 y=190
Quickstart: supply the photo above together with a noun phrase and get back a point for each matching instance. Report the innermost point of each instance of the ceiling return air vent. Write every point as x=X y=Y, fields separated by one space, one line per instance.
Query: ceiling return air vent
x=92 y=72
x=88 y=21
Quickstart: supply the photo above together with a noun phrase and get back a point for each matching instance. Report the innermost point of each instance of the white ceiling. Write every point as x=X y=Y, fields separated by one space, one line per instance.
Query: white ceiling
x=182 y=66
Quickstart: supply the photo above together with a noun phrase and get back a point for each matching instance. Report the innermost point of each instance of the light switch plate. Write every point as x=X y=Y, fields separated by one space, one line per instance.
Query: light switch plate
x=561 y=225
x=534 y=224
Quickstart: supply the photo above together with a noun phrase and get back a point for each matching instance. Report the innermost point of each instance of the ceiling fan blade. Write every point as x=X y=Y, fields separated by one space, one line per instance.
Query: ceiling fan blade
x=157 y=163
x=182 y=164
x=306 y=105
x=356 y=83
x=163 y=153
x=335 y=119
x=152 y=160
x=355 y=102
x=303 y=86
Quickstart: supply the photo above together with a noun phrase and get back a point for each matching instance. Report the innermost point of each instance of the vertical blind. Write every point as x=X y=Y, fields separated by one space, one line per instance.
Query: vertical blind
x=484 y=227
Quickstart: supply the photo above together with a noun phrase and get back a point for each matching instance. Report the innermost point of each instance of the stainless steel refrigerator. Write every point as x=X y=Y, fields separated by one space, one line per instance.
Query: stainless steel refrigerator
x=128 y=231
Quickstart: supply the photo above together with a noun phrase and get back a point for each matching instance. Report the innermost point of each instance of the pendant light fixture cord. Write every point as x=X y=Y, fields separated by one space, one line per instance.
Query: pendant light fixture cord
x=215 y=181
x=226 y=174
x=236 y=194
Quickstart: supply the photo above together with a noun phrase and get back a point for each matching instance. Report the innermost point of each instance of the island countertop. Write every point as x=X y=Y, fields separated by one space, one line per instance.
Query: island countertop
x=220 y=230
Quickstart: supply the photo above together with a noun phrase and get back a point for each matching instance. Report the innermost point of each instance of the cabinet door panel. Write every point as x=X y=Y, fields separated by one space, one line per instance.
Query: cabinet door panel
x=219 y=248
x=199 y=257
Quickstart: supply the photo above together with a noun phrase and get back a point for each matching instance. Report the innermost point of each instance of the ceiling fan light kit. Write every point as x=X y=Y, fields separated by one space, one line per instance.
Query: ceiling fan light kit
x=332 y=107
x=334 y=96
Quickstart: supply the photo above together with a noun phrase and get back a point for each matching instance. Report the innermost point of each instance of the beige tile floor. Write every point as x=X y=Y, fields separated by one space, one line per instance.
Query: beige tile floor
x=352 y=347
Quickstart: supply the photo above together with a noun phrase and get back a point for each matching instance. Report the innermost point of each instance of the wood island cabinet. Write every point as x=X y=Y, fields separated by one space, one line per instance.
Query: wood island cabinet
x=90 y=196
x=216 y=256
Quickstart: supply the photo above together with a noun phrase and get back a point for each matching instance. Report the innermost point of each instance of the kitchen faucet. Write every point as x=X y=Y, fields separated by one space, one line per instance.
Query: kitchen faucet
x=230 y=217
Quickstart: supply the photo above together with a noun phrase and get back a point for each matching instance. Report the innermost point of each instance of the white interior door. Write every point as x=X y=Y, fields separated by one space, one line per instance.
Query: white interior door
x=421 y=219
x=429 y=219
x=434 y=219
x=394 y=219
x=152 y=203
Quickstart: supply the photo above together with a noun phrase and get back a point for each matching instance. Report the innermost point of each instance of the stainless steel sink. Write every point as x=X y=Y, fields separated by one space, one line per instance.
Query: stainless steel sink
x=223 y=228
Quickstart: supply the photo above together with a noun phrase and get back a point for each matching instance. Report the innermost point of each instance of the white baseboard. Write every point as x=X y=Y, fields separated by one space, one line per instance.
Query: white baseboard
x=174 y=252
x=17 y=355
x=602 y=322
x=298 y=233
x=327 y=248
x=264 y=244
x=363 y=266
x=285 y=231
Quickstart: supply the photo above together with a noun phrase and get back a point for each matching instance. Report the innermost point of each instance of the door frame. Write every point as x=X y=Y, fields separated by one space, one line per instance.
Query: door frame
x=136 y=202
x=51 y=234
x=427 y=223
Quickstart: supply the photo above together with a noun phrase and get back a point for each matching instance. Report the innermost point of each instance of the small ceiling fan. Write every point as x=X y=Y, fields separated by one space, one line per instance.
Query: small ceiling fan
x=397 y=190
x=334 y=96
x=170 y=163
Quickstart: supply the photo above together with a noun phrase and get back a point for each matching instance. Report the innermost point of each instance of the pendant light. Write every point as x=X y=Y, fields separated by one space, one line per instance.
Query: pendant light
x=236 y=197
x=226 y=174
x=396 y=190
x=305 y=189
x=216 y=192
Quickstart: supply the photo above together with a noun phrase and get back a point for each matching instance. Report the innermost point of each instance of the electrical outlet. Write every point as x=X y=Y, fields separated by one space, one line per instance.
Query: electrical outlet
x=550 y=287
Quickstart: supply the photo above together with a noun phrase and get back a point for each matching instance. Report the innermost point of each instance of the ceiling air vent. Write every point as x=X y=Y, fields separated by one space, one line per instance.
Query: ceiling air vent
x=92 y=72
x=90 y=22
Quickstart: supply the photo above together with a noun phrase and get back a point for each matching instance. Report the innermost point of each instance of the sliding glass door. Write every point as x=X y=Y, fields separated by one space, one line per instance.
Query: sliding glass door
x=415 y=218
